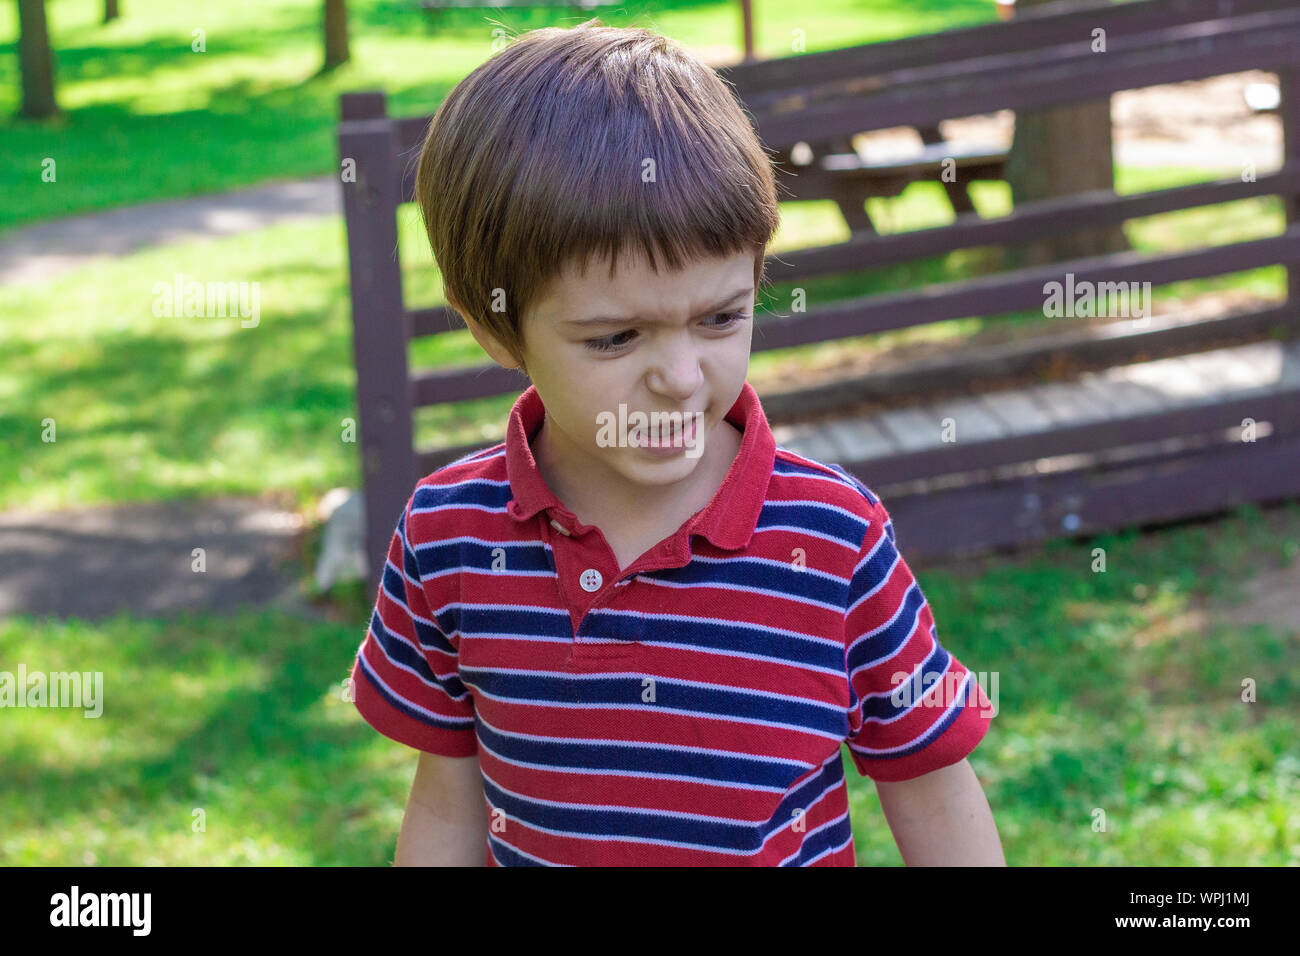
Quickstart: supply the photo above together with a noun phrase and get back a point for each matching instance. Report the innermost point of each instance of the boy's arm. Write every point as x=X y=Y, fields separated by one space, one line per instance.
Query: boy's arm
x=942 y=818
x=446 y=817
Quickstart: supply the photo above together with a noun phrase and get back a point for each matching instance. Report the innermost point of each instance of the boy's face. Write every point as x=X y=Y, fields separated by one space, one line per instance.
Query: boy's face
x=676 y=342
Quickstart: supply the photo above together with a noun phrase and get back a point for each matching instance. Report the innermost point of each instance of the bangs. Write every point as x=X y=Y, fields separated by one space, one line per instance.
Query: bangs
x=572 y=146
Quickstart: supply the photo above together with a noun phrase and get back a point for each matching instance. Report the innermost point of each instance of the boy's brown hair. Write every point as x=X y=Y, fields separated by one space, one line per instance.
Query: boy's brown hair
x=581 y=142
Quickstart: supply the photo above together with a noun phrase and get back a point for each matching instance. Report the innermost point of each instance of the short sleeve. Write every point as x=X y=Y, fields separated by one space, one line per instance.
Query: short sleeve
x=913 y=707
x=405 y=678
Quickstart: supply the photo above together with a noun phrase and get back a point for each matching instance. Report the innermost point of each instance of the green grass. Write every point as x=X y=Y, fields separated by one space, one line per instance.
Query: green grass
x=1110 y=697
x=146 y=117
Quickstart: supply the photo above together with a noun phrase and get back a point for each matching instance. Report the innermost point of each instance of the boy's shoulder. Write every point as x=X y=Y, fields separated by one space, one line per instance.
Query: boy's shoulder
x=477 y=482
x=796 y=476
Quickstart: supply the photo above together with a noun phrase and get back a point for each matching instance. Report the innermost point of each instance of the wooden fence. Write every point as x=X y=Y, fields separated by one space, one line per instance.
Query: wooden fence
x=1043 y=58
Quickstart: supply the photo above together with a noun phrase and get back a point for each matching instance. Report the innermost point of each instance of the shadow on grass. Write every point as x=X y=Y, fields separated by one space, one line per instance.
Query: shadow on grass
x=269 y=731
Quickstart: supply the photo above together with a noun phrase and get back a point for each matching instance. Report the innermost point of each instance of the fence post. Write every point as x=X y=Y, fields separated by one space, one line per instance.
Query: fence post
x=1288 y=82
x=379 y=321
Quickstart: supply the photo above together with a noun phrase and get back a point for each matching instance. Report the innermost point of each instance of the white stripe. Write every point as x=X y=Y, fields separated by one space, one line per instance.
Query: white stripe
x=578 y=743
x=806 y=503
x=487 y=453
x=535 y=859
x=880 y=585
x=805 y=532
x=814 y=464
x=738 y=824
x=402 y=604
x=725 y=624
x=828 y=852
x=835 y=477
x=808 y=835
x=731 y=785
x=460 y=506
x=365 y=665
x=902 y=645
x=929 y=732
x=536 y=609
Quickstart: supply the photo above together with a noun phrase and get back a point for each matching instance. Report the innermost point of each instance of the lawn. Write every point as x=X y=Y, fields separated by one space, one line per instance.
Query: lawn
x=1117 y=691
x=147 y=117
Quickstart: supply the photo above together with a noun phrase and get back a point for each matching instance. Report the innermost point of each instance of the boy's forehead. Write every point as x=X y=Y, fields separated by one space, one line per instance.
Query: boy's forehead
x=635 y=288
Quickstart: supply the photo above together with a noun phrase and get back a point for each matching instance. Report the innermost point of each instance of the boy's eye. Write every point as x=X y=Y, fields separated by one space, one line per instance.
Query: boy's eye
x=608 y=343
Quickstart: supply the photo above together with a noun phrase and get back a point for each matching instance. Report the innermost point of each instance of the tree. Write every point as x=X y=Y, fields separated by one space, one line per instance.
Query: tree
x=111 y=11
x=1059 y=152
x=336 y=34
x=35 y=61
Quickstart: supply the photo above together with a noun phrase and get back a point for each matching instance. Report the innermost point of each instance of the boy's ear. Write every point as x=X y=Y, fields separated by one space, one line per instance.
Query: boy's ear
x=489 y=344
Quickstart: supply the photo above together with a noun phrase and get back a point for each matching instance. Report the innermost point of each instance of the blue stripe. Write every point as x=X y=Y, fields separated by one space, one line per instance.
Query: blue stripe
x=829 y=521
x=614 y=824
x=857 y=483
x=493 y=621
x=638 y=757
x=719 y=703
x=508 y=857
x=427 y=635
x=522 y=557
x=396 y=648
x=929 y=737
x=398 y=703
x=715 y=634
x=824 y=839
x=483 y=492
x=888 y=641
x=781 y=577
x=931 y=670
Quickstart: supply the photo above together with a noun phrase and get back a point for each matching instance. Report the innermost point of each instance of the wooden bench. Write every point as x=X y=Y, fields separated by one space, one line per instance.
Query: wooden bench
x=783 y=87
x=841 y=174
x=986 y=489
x=1052 y=459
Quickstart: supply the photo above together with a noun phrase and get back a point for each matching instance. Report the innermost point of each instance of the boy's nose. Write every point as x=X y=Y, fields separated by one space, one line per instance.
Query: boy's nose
x=676 y=372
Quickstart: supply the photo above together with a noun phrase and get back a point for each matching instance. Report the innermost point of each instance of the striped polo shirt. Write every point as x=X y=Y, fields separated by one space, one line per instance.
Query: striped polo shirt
x=687 y=711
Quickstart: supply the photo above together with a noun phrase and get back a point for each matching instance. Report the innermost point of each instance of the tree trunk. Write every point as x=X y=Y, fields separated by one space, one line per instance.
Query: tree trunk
x=747 y=27
x=111 y=12
x=336 y=34
x=1060 y=152
x=36 y=61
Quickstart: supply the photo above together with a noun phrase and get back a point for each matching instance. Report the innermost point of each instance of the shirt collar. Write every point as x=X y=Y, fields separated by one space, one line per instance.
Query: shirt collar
x=731 y=515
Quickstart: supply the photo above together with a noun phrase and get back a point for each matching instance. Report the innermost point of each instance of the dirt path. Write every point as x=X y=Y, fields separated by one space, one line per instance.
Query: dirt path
x=1197 y=123
x=153 y=559
x=41 y=252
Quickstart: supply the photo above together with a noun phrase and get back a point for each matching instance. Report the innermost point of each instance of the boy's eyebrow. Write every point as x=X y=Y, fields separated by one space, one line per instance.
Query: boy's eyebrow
x=610 y=320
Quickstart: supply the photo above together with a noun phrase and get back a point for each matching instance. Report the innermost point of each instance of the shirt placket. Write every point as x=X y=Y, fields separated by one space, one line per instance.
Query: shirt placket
x=584 y=565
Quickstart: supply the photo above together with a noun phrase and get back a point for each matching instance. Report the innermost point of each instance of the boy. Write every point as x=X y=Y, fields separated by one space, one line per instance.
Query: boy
x=637 y=632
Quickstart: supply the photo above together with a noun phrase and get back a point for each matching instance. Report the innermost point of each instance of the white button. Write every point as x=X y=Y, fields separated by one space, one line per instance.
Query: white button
x=590 y=580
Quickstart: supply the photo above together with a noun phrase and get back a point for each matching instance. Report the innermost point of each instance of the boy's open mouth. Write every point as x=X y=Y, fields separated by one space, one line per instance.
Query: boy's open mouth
x=673 y=436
